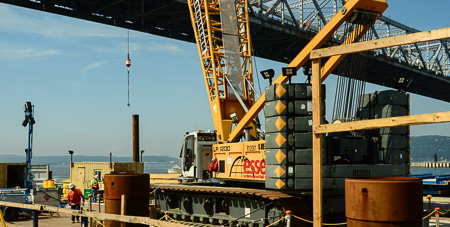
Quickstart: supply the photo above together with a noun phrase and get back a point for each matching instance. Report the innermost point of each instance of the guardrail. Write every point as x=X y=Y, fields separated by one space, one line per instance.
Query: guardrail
x=99 y=216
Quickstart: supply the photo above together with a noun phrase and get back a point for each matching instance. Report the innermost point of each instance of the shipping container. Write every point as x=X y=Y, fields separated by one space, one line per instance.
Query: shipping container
x=81 y=173
x=12 y=175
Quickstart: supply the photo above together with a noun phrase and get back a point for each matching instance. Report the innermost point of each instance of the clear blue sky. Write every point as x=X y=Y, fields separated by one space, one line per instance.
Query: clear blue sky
x=74 y=73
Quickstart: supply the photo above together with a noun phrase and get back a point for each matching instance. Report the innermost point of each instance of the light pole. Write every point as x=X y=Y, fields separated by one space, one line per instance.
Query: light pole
x=71 y=156
x=28 y=109
x=142 y=152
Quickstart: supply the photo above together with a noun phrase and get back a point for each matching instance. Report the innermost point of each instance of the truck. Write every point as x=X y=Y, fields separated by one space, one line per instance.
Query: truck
x=263 y=173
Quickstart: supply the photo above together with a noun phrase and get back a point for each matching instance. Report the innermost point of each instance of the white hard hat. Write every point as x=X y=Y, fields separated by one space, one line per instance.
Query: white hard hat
x=95 y=176
x=71 y=185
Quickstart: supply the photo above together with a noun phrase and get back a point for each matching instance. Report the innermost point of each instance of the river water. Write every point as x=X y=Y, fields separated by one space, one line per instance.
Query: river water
x=61 y=172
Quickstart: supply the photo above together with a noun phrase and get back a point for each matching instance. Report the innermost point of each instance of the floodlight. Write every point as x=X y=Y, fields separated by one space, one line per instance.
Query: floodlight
x=234 y=117
x=307 y=70
x=268 y=74
x=28 y=110
x=31 y=120
x=289 y=72
x=402 y=83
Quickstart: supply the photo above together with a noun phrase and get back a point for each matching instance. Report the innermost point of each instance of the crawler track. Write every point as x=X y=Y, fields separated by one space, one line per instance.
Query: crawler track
x=212 y=205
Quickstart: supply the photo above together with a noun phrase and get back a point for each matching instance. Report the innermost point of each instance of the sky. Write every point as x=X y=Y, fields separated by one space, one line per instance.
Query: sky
x=74 y=73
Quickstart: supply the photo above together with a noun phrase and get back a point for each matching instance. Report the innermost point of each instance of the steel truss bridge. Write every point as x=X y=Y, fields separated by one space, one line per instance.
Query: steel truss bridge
x=279 y=29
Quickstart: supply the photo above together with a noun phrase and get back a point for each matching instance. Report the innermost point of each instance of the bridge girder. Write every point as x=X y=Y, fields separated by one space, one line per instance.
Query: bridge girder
x=280 y=29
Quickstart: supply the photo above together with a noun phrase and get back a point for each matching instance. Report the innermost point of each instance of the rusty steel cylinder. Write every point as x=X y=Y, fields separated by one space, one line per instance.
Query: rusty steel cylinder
x=384 y=202
x=136 y=188
x=135 y=118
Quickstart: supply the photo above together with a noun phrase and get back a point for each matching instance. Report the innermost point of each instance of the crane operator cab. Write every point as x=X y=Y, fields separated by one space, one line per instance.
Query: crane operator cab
x=196 y=155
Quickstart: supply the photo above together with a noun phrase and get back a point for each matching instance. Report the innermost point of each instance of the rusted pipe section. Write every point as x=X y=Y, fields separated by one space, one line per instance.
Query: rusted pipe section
x=135 y=138
x=135 y=187
x=384 y=201
x=429 y=202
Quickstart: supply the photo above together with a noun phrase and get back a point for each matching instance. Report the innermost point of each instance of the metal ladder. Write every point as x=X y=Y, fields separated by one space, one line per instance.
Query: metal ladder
x=200 y=26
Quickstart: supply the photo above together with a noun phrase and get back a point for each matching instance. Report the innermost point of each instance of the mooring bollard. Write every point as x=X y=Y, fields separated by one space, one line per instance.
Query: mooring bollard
x=166 y=215
x=288 y=218
x=90 y=208
x=35 y=218
x=437 y=215
x=429 y=202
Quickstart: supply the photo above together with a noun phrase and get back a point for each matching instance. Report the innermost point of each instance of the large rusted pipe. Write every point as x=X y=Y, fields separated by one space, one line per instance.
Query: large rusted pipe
x=135 y=187
x=135 y=138
x=383 y=202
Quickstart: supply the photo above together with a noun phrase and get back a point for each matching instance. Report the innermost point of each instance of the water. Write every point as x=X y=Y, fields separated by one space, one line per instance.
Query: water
x=434 y=171
x=62 y=172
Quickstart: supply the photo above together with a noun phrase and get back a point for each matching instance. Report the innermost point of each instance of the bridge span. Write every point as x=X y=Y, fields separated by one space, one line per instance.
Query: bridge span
x=280 y=29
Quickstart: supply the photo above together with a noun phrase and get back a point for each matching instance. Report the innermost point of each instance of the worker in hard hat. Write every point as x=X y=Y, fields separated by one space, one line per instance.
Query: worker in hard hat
x=213 y=166
x=95 y=187
x=75 y=196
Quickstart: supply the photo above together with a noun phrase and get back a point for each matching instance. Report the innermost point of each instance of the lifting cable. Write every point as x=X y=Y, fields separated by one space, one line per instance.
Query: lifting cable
x=128 y=61
x=257 y=76
x=352 y=75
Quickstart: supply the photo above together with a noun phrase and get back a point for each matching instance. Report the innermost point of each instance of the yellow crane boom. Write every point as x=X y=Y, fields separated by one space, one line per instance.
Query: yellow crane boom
x=224 y=47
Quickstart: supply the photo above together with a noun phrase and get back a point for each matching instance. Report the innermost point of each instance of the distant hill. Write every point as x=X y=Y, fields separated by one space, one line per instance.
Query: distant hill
x=37 y=160
x=423 y=148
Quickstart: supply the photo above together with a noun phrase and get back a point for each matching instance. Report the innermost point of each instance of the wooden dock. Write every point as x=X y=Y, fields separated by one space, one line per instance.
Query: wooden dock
x=431 y=165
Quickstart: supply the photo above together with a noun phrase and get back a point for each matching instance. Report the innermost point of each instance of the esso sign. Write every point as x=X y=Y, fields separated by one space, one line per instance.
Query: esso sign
x=255 y=166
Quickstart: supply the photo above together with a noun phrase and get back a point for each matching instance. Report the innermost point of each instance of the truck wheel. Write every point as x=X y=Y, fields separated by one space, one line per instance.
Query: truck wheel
x=11 y=214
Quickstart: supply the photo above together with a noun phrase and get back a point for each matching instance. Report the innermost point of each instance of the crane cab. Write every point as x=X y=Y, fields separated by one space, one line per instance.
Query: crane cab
x=196 y=154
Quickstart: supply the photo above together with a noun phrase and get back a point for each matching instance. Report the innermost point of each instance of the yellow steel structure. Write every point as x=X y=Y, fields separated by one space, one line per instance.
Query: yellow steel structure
x=377 y=6
x=205 y=18
x=246 y=161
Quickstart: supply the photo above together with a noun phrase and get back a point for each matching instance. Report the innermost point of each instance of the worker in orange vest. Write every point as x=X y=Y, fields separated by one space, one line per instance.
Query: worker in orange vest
x=214 y=166
x=75 y=196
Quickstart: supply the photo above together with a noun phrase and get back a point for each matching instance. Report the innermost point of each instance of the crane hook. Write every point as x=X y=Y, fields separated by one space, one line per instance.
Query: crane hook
x=128 y=64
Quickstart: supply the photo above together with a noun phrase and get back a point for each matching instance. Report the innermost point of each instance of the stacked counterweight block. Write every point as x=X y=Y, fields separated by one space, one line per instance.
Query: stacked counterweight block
x=288 y=111
x=394 y=143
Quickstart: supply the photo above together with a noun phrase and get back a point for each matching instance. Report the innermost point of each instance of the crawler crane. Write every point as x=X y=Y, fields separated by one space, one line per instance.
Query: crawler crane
x=262 y=174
